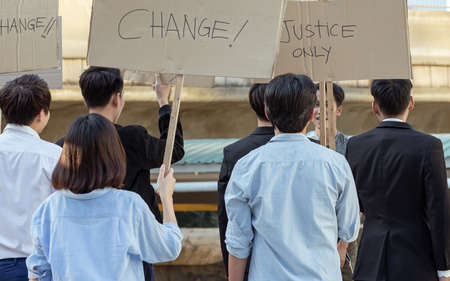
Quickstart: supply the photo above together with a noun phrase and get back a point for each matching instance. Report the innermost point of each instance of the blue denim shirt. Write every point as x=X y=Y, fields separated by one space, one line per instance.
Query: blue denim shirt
x=103 y=235
x=288 y=202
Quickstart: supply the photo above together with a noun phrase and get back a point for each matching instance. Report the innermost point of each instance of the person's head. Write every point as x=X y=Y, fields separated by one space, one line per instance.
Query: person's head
x=256 y=99
x=339 y=97
x=93 y=157
x=102 y=90
x=26 y=101
x=289 y=102
x=392 y=98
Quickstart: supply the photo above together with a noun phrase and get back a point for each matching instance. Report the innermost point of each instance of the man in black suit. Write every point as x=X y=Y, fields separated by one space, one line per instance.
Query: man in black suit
x=102 y=90
x=402 y=187
x=232 y=153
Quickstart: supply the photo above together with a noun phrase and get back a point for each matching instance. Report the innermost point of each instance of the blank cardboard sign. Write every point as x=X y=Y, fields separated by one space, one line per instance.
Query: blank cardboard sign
x=28 y=35
x=194 y=37
x=345 y=40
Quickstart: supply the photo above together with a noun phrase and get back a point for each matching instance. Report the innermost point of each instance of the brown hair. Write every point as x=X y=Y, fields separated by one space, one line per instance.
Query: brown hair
x=93 y=157
x=22 y=99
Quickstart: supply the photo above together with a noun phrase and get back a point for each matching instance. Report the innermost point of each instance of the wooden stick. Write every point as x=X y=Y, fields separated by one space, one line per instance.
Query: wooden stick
x=173 y=123
x=331 y=120
x=323 y=124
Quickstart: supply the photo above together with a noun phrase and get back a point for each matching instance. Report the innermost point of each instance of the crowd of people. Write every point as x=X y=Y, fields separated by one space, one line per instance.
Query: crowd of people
x=288 y=208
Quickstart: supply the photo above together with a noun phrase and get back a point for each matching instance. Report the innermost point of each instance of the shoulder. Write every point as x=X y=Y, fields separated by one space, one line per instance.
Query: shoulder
x=242 y=147
x=131 y=133
x=128 y=199
x=50 y=150
x=44 y=211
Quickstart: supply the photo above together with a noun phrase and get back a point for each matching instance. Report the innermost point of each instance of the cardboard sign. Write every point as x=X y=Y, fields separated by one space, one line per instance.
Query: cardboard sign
x=345 y=40
x=194 y=37
x=28 y=35
x=148 y=78
x=52 y=76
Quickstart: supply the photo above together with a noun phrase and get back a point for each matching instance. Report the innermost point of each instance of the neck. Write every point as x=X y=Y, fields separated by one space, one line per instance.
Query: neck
x=103 y=111
x=278 y=132
x=262 y=123
x=35 y=126
x=402 y=117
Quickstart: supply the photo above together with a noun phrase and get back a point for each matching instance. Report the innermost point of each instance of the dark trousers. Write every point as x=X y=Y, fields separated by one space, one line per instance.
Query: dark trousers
x=13 y=270
x=148 y=272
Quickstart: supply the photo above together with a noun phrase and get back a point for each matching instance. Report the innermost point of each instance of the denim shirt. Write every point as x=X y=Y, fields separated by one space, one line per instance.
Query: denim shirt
x=288 y=202
x=102 y=235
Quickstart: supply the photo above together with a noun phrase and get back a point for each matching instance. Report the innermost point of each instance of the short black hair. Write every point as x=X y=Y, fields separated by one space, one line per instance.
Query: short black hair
x=290 y=100
x=23 y=98
x=391 y=95
x=98 y=84
x=256 y=99
x=338 y=93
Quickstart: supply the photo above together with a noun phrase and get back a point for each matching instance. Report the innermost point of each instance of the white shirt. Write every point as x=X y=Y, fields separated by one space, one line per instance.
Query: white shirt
x=441 y=273
x=26 y=167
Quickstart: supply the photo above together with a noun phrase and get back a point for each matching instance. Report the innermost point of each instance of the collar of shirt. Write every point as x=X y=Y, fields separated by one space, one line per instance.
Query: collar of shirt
x=289 y=137
x=393 y=120
x=86 y=196
x=22 y=129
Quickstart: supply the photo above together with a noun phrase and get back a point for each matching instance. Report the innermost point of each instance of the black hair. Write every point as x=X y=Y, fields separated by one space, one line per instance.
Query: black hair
x=98 y=84
x=256 y=99
x=23 y=98
x=392 y=95
x=289 y=101
x=338 y=93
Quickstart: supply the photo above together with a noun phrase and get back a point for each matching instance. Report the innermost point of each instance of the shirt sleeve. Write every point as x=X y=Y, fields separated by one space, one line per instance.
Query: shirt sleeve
x=155 y=242
x=347 y=207
x=37 y=263
x=239 y=233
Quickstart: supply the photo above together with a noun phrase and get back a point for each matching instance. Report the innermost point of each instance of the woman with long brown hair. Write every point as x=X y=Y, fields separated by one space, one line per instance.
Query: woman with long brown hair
x=90 y=229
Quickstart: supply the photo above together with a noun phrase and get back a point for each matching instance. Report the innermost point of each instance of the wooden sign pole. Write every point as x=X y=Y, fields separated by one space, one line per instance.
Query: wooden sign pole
x=331 y=120
x=323 y=124
x=173 y=123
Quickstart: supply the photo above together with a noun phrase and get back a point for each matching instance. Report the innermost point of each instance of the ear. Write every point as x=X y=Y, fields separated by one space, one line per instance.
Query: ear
x=375 y=108
x=115 y=99
x=412 y=104
x=339 y=110
x=266 y=113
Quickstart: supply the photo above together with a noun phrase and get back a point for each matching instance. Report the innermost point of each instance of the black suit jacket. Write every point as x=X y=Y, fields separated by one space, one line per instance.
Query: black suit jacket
x=145 y=152
x=402 y=187
x=231 y=154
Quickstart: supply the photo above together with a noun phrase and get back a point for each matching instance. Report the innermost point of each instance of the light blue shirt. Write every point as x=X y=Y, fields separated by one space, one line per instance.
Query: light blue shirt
x=103 y=235
x=288 y=202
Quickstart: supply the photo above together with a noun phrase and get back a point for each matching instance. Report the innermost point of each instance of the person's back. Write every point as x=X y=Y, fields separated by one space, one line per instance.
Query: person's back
x=91 y=230
x=26 y=166
x=402 y=186
x=102 y=236
x=290 y=200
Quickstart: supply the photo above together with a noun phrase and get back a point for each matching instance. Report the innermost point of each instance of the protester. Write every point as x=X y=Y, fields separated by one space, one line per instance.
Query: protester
x=26 y=165
x=290 y=200
x=102 y=90
x=402 y=186
x=91 y=230
x=232 y=153
x=339 y=97
x=347 y=252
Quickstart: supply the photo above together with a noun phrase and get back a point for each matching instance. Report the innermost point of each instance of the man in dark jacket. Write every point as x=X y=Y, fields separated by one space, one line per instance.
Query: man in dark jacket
x=402 y=187
x=232 y=153
x=102 y=90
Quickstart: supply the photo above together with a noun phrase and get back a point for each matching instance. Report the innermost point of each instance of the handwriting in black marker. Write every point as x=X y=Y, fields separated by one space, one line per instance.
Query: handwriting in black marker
x=237 y=35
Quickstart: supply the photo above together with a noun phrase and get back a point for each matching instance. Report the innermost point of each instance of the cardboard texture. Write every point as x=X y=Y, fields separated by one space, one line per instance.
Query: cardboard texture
x=148 y=78
x=52 y=76
x=345 y=40
x=192 y=37
x=28 y=37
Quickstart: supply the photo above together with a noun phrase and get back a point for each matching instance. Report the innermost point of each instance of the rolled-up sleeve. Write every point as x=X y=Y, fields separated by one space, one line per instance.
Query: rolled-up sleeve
x=239 y=234
x=156 y=242
x=347 y=207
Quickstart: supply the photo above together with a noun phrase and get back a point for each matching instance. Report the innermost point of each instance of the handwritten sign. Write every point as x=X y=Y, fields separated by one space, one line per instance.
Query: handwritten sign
x=345 y=40
x=28 y=35
x=213 y=38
